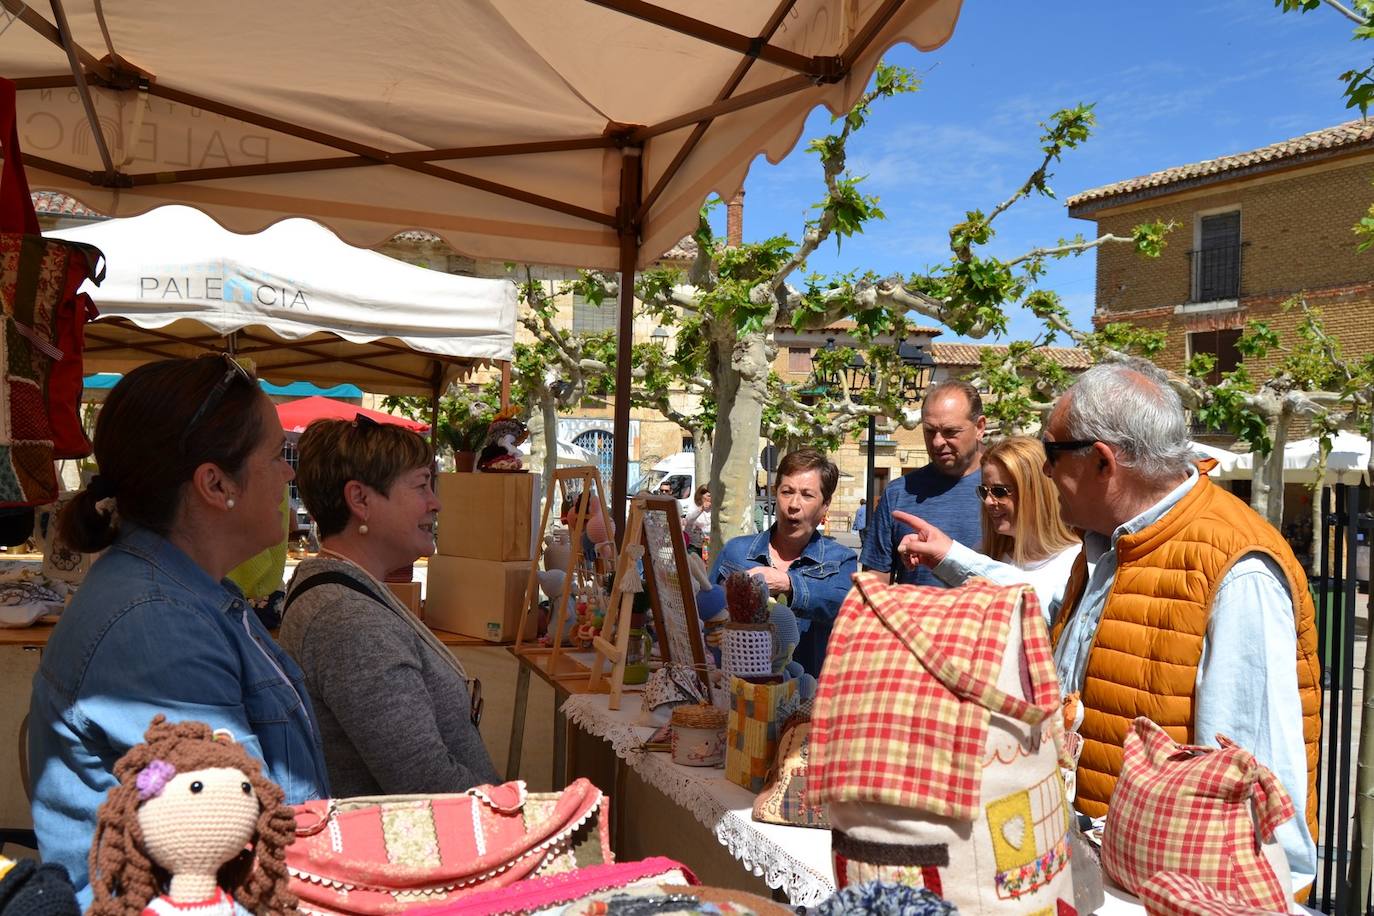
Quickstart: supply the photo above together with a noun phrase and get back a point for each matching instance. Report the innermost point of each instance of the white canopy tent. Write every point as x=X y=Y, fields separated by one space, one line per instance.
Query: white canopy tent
x=569 y=455
x=301 y=303
x=576 y=132
x=1347 y=462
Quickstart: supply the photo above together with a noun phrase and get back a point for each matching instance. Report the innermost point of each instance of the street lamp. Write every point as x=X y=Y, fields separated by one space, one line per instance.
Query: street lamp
x=659 y=336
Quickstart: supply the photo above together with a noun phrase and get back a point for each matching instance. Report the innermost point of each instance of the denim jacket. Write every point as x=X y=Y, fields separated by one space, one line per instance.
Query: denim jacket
x=150 y=631
x=820 y=581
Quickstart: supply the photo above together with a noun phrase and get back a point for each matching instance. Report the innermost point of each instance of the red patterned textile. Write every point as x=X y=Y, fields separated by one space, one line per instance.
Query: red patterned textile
x=392 y=853
x=1184 y=809
x=920 y=746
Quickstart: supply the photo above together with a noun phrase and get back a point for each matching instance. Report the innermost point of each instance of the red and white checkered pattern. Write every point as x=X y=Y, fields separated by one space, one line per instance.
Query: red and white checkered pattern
x=1184 y=809
x=1171 y=894
x=910 y=677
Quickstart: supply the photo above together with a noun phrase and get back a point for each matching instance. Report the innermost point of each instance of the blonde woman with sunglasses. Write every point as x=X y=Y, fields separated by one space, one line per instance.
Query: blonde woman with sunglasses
x=1024 y=537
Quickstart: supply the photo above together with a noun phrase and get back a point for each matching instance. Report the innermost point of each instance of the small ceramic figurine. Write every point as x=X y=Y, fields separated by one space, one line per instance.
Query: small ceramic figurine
x=192 y=826
x=502 y=451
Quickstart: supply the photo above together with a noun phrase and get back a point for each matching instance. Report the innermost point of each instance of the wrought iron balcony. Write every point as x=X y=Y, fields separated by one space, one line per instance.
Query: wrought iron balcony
x=1216 y=273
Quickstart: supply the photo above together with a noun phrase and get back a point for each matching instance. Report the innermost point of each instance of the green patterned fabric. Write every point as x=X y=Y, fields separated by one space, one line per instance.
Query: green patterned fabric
x=261 y=575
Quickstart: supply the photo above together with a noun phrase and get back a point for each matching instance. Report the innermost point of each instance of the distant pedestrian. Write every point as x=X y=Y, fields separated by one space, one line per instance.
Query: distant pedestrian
x=861 y=521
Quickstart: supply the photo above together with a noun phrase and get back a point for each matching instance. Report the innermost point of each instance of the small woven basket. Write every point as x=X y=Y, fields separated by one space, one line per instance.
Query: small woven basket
x=699 y=735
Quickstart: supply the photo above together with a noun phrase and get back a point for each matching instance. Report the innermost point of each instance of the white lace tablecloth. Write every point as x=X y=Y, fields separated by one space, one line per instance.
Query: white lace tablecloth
x=794 y=860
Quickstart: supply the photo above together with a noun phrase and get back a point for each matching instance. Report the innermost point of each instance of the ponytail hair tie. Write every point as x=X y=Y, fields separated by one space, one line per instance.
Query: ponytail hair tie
x=100 y=488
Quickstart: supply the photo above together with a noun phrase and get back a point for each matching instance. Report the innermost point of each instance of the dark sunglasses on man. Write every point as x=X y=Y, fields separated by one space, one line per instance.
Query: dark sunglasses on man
x=212 y=400
x=1054 y=449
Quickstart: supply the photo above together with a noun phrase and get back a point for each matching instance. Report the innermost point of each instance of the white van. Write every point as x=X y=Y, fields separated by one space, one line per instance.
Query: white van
x=679 y=472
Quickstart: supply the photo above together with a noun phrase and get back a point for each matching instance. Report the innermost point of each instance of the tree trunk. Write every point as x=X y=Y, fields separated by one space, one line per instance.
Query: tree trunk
x=739 y=370
x=1266 y=494
x=702 y=456
x=548 y=419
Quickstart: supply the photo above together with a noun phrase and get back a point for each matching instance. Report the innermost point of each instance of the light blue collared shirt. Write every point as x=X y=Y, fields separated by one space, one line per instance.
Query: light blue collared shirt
x=1249 y=693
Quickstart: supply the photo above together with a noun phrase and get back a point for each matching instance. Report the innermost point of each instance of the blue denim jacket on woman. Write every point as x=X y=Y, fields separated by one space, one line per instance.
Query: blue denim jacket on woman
x=820 y=581
x=151 y=632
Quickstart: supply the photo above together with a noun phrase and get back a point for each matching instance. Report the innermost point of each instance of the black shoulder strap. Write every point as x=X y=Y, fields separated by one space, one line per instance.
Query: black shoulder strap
x=330 y=577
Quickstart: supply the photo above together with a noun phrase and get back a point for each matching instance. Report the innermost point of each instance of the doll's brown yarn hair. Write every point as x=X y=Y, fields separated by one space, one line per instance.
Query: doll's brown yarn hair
x=124 y=879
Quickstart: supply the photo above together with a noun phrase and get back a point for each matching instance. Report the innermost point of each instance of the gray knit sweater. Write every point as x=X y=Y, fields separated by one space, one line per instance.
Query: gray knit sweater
x=393 y=715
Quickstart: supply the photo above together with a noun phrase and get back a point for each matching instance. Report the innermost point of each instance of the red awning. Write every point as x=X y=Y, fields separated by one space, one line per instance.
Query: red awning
x=297 y=415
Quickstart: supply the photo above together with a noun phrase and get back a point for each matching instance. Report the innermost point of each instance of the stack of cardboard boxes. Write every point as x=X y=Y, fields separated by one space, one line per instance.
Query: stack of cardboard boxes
x=477 y=579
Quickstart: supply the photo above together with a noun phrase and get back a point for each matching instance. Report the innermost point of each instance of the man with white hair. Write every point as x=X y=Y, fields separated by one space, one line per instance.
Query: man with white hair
x=1184 y=606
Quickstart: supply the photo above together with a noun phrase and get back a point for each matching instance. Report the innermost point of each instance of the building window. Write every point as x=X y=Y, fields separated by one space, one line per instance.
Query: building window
x=1220 y=344
x=589 y=318
x=689 y=444
x=599 y=443
x=1216 y=258
x=799 y=360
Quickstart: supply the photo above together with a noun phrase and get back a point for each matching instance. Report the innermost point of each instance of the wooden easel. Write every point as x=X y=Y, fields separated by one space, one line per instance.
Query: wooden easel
x=552 y=660
x=675 y=609
x=612 y=644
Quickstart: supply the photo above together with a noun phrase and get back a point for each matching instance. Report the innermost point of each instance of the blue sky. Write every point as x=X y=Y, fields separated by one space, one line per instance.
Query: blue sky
x=1174 y=82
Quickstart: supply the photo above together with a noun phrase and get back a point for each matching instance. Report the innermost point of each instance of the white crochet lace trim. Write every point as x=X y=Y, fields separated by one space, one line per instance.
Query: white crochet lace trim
x=756 y=852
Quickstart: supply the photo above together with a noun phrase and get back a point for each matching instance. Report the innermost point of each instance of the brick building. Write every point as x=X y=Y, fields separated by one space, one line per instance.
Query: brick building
x=1252 y=230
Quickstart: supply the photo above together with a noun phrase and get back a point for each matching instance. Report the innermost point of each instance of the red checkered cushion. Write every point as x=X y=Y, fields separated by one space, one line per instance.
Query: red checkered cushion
x=1170 y=894
x=1186 y=810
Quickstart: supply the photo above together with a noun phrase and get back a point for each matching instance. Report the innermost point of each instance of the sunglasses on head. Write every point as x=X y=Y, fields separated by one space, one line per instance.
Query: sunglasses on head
x=1054 y=449
x=212 y=400
x=996 y=491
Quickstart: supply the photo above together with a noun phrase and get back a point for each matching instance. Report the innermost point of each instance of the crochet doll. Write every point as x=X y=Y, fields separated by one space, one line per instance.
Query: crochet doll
x=193 y=827
x=502 y=450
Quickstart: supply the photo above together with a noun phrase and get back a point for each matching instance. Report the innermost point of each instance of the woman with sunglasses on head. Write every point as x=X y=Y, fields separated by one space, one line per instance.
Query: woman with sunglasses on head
x=190 y=485
x=1024 y=537
x=393 y=702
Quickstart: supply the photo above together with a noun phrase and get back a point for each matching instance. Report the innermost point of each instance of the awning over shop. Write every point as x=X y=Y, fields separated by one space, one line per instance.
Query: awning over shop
x=299 y=302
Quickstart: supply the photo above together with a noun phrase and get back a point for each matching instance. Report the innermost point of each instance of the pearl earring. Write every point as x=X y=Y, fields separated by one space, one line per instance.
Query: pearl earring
x=229 y=503
x=362 y=529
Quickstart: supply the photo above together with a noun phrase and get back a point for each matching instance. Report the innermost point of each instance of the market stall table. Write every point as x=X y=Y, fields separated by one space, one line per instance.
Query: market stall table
x=793 y=860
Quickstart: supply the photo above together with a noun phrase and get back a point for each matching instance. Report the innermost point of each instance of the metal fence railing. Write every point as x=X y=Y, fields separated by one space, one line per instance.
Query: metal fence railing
x=1341 y=590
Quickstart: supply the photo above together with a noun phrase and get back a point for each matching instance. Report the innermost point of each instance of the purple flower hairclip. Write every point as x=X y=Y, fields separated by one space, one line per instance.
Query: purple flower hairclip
x=153 y=778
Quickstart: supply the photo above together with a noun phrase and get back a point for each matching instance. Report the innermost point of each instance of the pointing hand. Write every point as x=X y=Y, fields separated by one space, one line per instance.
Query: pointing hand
x=928 y=546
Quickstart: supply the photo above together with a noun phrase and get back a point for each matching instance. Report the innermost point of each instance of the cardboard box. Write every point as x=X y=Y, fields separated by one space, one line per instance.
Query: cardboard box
x=409 y=593
x=481 y=598
x=486 y=516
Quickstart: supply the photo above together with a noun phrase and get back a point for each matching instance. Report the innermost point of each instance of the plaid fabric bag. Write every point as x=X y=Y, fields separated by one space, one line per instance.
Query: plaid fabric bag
x=1184 y=809
x=1171 y=894
x=383 y=854
x=41 y=344
x=935 y=743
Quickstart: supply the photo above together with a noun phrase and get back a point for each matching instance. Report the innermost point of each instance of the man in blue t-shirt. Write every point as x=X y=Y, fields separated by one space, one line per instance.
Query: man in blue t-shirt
x=941 y=492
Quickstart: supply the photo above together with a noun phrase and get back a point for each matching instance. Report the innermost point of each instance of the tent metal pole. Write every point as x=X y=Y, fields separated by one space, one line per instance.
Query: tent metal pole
x=434 y=394
x=629 y=255
x=505 y=384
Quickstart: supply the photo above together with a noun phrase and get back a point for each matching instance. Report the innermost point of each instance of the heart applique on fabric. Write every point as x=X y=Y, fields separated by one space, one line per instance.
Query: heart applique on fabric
x=1014 y=831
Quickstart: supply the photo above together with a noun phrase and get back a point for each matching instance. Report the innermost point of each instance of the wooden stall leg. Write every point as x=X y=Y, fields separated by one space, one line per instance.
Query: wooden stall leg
x=517 y=725
x=560 y=742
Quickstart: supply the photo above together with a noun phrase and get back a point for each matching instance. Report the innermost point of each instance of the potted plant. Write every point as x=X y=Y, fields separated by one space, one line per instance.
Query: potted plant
x=465 y=436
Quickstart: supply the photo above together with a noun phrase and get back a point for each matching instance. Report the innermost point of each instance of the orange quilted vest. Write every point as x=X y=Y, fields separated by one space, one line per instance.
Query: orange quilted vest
x=1145 y=655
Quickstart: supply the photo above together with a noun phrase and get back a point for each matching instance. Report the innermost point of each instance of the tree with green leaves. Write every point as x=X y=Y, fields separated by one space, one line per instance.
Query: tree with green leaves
x=730 y=303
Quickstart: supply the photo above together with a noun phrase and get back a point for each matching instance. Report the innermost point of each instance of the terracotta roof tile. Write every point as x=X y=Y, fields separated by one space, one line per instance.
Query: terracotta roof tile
x=1320 y=144
x=963 y=354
